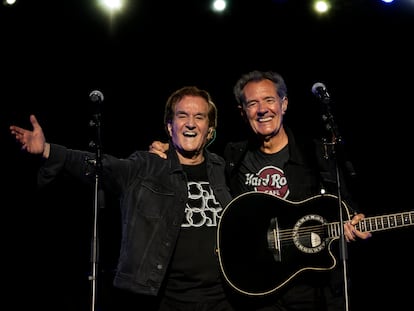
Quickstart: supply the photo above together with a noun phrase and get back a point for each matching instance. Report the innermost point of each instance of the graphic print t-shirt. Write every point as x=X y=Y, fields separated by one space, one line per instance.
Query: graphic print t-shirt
x=194 y=271
x=264 y=172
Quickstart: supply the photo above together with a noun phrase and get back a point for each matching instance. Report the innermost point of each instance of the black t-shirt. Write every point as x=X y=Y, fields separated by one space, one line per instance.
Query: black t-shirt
x=194 y=271
x=264 y=172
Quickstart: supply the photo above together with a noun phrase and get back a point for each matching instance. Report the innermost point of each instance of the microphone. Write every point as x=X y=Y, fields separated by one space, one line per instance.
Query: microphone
x=96 y=96
x=319 y=90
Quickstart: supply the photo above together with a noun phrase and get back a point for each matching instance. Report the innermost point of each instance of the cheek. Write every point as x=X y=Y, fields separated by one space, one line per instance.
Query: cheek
x=249 y=115
x=279 y=111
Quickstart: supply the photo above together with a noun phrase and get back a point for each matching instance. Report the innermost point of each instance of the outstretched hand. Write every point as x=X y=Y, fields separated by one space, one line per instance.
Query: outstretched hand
x=33 y=141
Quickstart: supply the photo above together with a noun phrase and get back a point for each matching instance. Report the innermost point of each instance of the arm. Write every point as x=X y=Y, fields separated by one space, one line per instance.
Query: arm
x=72 y=162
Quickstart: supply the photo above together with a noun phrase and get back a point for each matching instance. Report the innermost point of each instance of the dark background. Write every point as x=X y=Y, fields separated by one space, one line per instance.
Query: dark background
x=54 y=53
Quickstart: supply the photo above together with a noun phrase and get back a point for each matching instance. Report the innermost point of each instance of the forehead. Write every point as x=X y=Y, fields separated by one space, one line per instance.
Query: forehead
x=193 y=104
x=259 y=89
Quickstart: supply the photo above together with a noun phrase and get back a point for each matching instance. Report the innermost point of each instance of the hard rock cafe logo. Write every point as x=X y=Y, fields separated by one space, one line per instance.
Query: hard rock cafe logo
x=269 y=179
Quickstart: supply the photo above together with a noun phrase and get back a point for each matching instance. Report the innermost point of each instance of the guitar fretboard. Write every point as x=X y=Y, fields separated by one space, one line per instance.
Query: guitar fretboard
x=386 y=222
x=378 y=223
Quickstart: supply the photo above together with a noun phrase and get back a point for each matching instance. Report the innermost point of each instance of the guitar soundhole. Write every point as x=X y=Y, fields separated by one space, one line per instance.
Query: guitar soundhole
x=309 y=234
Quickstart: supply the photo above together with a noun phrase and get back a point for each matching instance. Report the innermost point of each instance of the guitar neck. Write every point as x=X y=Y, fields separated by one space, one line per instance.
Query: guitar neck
x=386 y=222
x=377 y=223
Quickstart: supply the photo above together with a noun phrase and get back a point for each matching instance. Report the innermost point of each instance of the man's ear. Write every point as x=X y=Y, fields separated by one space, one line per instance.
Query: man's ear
x=169 y=128
x=210 y=133
x=285 y=103
x=241 y=110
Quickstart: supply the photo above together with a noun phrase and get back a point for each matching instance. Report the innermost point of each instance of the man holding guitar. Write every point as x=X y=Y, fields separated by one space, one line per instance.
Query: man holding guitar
x=273 y=163
x=273 y=167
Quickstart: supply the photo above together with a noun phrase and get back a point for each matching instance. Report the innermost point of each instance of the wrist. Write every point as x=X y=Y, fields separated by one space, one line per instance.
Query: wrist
x=46 y=150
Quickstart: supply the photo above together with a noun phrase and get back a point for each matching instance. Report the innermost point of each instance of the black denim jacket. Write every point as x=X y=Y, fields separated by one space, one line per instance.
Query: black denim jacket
x=152 y=193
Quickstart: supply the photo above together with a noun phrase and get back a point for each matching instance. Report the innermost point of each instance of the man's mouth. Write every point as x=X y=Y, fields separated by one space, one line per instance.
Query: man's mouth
x=264 y=119
x=190 y=134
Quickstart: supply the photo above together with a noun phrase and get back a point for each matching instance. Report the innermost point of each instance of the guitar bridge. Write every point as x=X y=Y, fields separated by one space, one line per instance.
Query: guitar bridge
x=273 y=239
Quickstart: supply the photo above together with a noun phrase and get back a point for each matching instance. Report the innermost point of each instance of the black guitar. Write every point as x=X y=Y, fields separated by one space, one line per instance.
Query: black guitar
x=263 y=241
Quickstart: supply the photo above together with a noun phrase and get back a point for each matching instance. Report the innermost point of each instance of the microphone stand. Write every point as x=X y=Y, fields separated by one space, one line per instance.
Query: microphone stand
x=331 y=148
x=97 y=203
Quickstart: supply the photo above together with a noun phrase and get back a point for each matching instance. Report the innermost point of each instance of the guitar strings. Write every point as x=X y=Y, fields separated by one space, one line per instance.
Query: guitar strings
x=288 y=234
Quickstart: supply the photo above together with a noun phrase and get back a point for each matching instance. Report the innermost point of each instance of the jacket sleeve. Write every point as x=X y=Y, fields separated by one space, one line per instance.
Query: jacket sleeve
x=53 y=166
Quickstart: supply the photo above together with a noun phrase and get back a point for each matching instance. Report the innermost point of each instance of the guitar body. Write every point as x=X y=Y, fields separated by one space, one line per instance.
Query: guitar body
x=264 y=241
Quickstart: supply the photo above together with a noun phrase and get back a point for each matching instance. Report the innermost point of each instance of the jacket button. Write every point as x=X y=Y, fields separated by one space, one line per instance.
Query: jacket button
x=159 y=266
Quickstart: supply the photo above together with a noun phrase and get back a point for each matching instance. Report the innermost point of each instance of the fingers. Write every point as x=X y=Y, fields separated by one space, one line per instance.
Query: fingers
x=158 y=152
x=357 y=218
x=362 y=235
x=159 y=148
x=33 y=120
x=350 y=231
x=17 y=132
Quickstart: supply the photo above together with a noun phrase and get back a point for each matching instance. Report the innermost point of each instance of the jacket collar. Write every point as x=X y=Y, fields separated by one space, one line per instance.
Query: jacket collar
x=175 y=164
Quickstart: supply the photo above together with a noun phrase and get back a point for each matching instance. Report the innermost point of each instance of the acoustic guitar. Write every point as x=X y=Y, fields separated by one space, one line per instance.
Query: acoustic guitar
x=264 y=241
